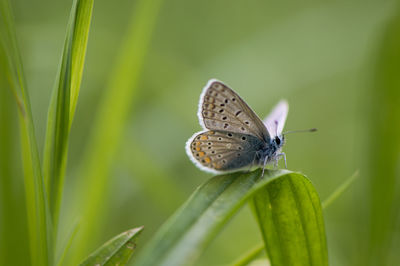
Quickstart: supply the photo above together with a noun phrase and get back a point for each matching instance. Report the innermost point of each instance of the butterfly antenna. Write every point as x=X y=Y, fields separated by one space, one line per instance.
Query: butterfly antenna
x=299 y=131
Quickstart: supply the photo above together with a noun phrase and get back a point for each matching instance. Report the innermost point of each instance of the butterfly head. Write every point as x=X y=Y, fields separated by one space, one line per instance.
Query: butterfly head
x=278 y=141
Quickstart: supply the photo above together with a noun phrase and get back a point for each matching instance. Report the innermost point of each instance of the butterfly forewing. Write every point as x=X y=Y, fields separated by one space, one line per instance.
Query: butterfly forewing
x=222 y=109
x=222 y=151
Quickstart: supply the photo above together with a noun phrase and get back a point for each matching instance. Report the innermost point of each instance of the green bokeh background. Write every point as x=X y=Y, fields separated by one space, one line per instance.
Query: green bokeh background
x=337 y=63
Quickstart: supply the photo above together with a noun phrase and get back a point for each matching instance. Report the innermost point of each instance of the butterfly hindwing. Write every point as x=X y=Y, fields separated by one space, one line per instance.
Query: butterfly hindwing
x=275 y=121
x=221 y=108
x=224 y=151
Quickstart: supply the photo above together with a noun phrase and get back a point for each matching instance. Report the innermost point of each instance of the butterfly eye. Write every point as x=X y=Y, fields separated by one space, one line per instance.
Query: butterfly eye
x=277 y=140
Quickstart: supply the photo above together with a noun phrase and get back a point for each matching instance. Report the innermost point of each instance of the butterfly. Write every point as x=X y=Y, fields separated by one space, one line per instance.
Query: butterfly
x=233 y=136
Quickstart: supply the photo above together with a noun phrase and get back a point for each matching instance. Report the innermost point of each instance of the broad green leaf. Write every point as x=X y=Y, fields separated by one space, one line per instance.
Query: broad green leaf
x=186 y=234
x=63 y=102
x=35 y=193
x=116 y=251
x=256 y=250
x=119 y=95
x=289 y=214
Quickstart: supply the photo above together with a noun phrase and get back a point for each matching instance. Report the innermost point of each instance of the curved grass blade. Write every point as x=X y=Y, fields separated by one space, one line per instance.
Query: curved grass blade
x=35 y=193
x=185 y=235
x=289 y=214
x=63 y=102
x=116 y=251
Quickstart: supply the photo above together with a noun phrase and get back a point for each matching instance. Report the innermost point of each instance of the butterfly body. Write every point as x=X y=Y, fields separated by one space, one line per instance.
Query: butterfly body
x=272 y=151
x=234 y=138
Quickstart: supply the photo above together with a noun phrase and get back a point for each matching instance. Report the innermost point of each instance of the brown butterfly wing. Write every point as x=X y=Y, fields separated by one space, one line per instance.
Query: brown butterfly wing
x=222 y=109
x=224 y=151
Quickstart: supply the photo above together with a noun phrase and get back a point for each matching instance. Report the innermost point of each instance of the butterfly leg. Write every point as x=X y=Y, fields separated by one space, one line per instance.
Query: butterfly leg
x=264 y=164
x=282 y=154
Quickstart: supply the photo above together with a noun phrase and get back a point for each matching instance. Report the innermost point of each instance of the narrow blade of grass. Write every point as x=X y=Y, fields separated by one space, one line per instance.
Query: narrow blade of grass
x=383 y=161
x=63 y=102
x=339 y=191
x=116 y=251
x=250 y=255
x=64 y=251
x=186 y=234
x=289 y=214
x=83 y=17
x=109 y=123
x=12 y=207
x=35 y=193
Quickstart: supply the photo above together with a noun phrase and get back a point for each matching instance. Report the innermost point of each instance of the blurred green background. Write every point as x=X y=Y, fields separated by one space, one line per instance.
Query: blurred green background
x=336 y=62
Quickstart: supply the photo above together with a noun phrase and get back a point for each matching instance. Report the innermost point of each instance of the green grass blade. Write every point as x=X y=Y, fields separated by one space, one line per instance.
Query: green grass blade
x=118 y=97
x=383 y=162
x=83 y=16
x=69 y=240
x=185 y=235
x=12 y=207
x=339 y=191
x=57 y=140
x=116 y=251
x=35 y=193
x=63 y=102
x=289 y=214
x=250 y=255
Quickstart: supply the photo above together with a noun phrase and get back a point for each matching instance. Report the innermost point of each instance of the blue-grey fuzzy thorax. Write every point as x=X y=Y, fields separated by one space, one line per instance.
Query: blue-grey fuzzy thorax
x=270 y=149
